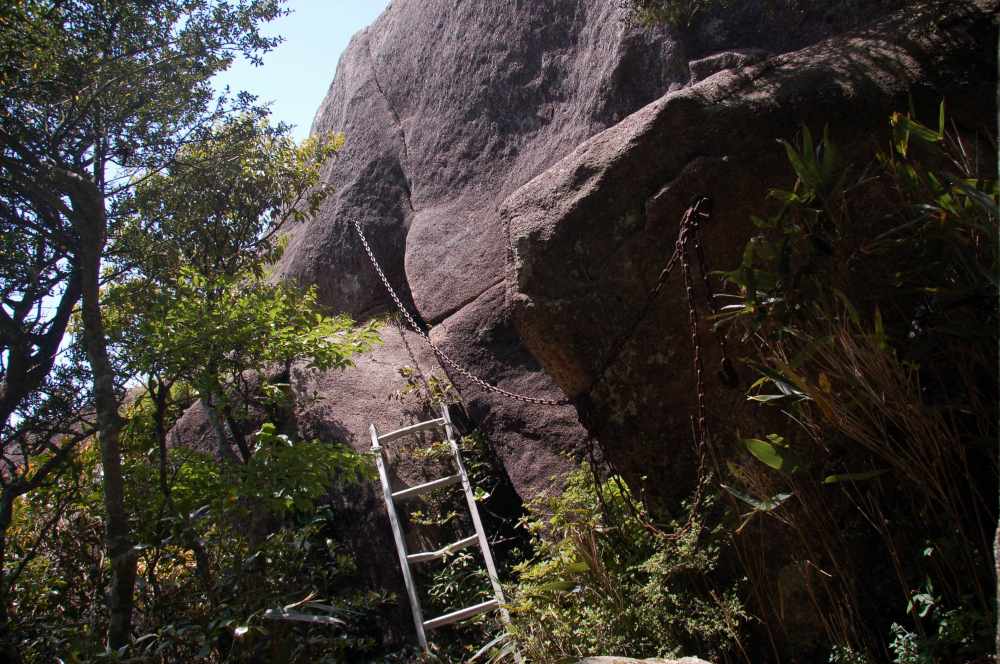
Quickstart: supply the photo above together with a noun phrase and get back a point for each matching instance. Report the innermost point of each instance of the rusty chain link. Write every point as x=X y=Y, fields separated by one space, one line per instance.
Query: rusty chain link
x=726 y=374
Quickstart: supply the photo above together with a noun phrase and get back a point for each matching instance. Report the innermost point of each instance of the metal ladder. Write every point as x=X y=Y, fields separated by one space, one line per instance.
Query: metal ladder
x=407 y=560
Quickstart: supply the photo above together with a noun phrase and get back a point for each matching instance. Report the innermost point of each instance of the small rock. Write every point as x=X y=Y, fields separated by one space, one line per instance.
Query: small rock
x=629 y=660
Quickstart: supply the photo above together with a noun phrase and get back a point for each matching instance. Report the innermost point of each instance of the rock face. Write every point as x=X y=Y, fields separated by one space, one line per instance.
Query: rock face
x=592 y=233
x=519 y=169
x=447 y=109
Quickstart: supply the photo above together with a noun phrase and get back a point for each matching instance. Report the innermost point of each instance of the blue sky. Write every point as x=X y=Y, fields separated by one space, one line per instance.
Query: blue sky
x=295 y=76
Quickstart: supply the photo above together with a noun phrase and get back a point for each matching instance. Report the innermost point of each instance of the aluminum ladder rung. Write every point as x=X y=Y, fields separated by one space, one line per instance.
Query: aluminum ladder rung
x=427 y=487
x=425 y=556
x=461 y=614
x=413 y=428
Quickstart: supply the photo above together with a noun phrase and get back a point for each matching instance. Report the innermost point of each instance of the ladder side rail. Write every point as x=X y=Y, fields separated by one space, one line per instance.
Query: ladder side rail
x=470 y=498
x=397 y=534
x=484 y=544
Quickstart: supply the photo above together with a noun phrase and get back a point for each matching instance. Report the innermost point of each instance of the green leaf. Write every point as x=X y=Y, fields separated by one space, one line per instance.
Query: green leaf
x=808 y=150
x=854 y=477
x=922 y=131
x=880 y=337
x=778 y=195
x=767 y=505
x=852 y=312
x=830 y=162
x=788 y=391
x=553 y=586
x=765 y=452
x=765 y=398
x=795 y=159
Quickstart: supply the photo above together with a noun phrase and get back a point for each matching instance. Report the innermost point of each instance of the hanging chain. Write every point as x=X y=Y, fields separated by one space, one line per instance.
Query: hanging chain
x=689 y=218
x=444 y=357
x=688 y=233
x=701 y=424
x=688 y=236
x=726 y=374
x=700 y=420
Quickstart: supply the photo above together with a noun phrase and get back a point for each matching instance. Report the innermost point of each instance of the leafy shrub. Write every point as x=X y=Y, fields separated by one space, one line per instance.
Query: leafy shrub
x=56 y=567
x=230 y=542
x=601 y=582
x=945 y=633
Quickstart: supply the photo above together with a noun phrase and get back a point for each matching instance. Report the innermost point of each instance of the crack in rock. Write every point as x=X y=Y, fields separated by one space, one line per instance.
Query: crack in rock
x=405 y=158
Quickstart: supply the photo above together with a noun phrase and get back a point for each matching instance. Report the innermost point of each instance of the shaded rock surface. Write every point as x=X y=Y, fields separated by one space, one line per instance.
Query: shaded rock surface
x=593 y=232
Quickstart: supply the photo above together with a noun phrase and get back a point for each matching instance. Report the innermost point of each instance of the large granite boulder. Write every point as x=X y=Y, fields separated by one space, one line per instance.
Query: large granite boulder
x=449 y=109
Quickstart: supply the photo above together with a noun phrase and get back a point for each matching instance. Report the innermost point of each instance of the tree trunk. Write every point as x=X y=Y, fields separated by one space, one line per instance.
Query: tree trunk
x=31 y=360
x=238 y=437
x=91 y=231
x=218 y=426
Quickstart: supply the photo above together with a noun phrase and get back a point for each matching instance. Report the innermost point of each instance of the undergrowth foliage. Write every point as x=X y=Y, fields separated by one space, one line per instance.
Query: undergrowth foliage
x=869 y=299
x=602 y=582
x=231 y=542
